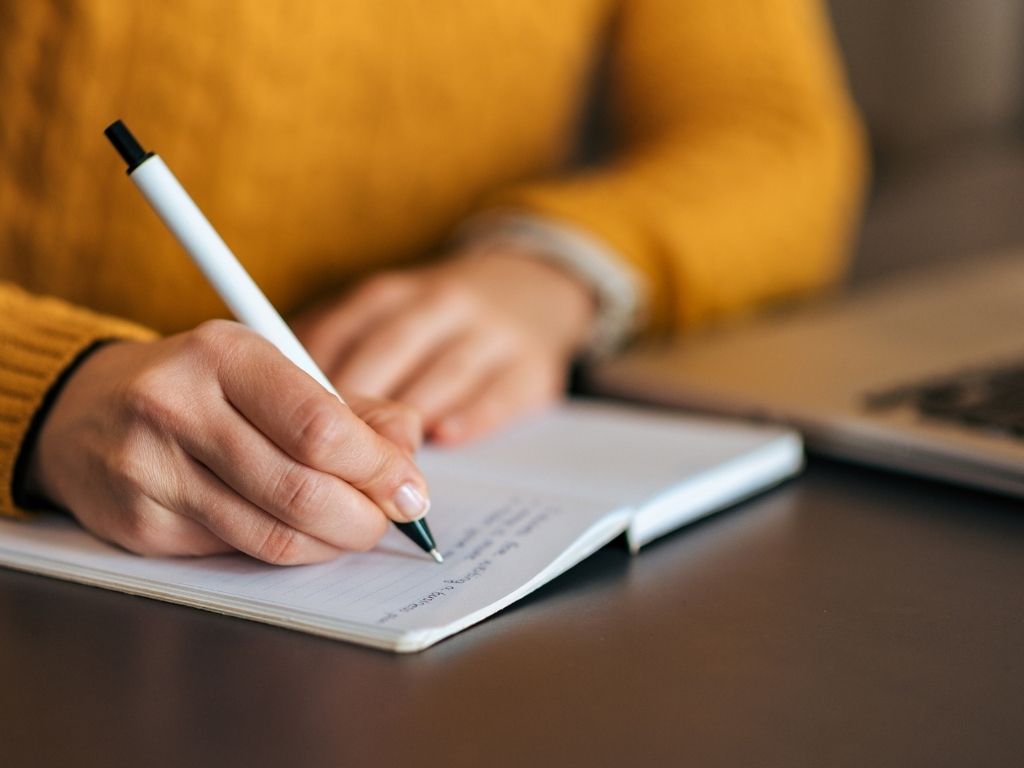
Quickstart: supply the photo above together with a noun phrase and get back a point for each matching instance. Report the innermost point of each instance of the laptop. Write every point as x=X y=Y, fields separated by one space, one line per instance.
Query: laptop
x=923 y=373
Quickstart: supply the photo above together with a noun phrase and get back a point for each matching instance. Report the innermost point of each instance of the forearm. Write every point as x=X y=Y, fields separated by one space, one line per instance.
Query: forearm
x=738 y=168
x=719 y=222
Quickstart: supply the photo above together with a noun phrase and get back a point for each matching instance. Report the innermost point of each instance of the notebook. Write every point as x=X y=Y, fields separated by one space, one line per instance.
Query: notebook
x=509 y=513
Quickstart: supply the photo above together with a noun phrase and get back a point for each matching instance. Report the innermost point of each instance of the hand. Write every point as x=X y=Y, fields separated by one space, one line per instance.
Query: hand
x=470 y=343
x=212 y=441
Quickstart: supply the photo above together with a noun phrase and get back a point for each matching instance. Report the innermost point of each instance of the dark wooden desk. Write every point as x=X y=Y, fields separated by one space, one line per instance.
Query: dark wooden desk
x=850 y=618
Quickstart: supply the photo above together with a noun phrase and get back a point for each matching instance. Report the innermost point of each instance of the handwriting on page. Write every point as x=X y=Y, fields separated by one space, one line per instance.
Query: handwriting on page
x=476 y=551
x=395 y=580
x=493 y=542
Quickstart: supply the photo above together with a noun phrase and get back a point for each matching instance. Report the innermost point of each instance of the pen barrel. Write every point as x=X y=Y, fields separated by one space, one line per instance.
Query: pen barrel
x=225 y=273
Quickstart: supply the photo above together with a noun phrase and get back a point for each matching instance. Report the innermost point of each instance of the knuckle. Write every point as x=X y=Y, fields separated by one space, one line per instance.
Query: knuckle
x=387 y=468
x=320 y=430
x=214 y=334
x=160 y=395
x=128 y=470
x=145 y=393
x=215 y=342
x=160 y=413
x=298 y=489
x=280 y=545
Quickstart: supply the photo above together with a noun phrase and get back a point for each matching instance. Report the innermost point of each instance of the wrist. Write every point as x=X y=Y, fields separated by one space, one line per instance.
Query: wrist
x=33 y=482
x=617 y=290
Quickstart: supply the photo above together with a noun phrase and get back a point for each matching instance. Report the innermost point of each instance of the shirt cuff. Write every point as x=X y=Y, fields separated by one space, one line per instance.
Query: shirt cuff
x=619 y=290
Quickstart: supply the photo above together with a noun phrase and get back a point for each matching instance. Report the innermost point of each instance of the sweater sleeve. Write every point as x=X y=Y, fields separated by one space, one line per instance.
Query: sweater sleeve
x=737 y=166
x=39 y=338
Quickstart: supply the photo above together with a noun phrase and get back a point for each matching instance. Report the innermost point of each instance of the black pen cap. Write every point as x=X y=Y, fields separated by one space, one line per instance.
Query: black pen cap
x=126 y=145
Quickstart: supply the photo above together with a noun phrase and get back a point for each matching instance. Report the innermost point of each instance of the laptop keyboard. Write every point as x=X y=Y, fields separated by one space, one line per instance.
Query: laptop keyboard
x=991 y=399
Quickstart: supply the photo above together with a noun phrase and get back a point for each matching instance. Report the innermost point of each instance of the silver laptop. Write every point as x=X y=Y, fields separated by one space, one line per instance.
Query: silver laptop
x=923 y=374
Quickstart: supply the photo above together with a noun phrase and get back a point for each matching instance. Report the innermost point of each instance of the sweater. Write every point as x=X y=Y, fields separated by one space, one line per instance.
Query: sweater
x=331 y=138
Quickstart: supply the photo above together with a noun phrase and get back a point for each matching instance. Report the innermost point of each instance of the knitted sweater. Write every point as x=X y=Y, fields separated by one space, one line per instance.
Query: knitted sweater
x=328 y=138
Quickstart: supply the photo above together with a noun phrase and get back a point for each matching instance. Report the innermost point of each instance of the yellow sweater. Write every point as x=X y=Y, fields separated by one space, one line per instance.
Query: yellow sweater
x=328 y=138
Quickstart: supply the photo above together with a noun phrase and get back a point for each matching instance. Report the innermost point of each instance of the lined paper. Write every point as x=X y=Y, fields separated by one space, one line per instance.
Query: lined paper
x=509 y=513
x=495 y=541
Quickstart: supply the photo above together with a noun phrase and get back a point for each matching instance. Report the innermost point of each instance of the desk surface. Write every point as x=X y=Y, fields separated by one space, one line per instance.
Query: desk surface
x=849 y=618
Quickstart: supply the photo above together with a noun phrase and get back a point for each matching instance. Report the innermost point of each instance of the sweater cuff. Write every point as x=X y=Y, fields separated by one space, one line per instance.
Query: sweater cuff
x=39 y=339
x=619 y=290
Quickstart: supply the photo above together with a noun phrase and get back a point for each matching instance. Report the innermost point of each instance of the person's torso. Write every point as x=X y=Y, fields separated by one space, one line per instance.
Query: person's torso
x=321 y=138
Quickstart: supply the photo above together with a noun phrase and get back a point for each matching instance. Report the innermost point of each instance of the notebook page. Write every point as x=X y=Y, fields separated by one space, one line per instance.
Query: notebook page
x=607 y=452
x=496 y=541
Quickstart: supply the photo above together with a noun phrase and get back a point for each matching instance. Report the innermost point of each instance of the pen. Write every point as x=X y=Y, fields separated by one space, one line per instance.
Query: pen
x=228 y=277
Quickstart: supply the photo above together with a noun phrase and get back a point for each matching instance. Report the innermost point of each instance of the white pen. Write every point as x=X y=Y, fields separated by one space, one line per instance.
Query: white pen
x=228 y=277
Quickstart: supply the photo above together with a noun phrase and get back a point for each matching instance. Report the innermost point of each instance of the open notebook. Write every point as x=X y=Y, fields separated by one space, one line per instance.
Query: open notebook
x=509 y=514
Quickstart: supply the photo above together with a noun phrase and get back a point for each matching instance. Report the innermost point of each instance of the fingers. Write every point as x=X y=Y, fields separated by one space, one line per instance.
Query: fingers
x=470 y=346
x=328 y=333
x=245 y=526
x=453 y=376
x=512 y=391
x=211 y=440
x=392 y=350
x=150 y=529
x=312 y=427
x=305 y=499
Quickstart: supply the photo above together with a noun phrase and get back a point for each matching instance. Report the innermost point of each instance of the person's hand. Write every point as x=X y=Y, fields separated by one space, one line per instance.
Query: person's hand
x=470 y=343
x=212 y=441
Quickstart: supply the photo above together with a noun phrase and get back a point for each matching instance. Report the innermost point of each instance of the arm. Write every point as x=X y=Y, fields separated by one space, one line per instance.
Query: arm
x=735 y=180
x=738 y=163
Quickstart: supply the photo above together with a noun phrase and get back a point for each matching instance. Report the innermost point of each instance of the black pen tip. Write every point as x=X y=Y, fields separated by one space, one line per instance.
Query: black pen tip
x=126 y=144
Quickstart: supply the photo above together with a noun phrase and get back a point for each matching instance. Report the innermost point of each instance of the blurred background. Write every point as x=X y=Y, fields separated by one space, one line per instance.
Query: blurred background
x=941 y=85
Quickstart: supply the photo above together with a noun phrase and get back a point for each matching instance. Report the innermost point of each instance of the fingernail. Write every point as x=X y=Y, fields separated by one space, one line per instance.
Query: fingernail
x=411 y=502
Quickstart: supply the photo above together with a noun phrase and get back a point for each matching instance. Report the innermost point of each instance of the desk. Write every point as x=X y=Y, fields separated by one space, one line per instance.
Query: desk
x=849 y=618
